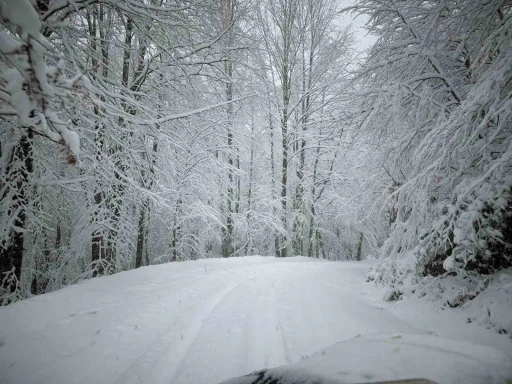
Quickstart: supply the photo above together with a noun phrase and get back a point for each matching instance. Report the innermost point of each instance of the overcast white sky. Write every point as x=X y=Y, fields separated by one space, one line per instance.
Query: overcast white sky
x=363 y=40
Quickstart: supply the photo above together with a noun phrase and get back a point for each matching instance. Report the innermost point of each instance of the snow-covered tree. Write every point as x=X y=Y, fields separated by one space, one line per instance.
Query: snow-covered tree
x=435 y=93
x=35 y=94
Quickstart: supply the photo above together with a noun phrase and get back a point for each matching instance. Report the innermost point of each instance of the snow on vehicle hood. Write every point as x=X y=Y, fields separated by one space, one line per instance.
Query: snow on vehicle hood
x=373 y=358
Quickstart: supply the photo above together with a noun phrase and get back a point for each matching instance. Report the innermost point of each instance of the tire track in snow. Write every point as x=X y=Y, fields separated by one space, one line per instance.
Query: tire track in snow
x=199 y=323
x=271 y=350
x=286 y=346
x=162 y=358
x=242 y=333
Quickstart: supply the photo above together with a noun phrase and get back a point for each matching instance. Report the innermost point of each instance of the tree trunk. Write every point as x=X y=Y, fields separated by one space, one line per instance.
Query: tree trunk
x=273 y=173
x=141 y=232
x=18 y=171
x=311 y=239
x=114 y=197
x=176 y=229
x=250 y=243
x=359 y=253
x=228 y=238
x=98 y=246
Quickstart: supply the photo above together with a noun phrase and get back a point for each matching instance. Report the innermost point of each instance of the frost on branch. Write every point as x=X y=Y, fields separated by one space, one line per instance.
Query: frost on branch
x=35 y=95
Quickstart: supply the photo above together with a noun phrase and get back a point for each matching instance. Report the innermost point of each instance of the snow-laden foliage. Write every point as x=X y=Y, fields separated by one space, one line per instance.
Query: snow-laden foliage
x=137 y=132
x=140 y=132
x=34 y=91
x=436 y=94
x=35 y=95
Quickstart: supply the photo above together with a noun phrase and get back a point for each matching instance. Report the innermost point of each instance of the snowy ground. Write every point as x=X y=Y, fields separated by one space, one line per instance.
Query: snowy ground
x=209 y=320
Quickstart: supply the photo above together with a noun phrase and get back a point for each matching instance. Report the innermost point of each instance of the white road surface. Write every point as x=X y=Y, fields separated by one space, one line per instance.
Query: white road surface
x=196 y=322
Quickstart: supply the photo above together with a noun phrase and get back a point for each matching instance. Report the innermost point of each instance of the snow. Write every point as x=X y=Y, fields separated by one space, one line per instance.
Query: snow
x=19 y=98
x=209 y=320
x=22 y=14
x=450 y=264
x=8 y=45
x=493 y=307
x=23 y=96
x=71 y=138
x=388 y=357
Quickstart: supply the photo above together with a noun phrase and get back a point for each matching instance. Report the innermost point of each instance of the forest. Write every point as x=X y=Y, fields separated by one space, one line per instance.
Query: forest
x=141 y=132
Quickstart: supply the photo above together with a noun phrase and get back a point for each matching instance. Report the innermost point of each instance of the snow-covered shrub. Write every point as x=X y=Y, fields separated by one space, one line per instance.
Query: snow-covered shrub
x=493 y=308
x=392 y=272
x=473 y=233
x=450 y=291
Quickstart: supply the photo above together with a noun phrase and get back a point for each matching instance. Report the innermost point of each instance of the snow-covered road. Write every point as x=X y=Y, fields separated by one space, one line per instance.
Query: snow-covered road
x=195 y=322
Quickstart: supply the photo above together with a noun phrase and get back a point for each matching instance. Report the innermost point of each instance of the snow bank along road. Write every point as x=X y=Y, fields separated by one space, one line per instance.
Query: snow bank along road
x=203 y=322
